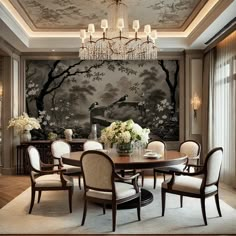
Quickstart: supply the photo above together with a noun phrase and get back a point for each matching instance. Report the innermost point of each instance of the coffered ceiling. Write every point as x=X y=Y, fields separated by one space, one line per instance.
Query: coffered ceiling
x=45 y=25
x=64 y=15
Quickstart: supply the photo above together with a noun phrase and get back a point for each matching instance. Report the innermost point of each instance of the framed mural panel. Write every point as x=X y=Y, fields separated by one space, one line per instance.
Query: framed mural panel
x=75 y=94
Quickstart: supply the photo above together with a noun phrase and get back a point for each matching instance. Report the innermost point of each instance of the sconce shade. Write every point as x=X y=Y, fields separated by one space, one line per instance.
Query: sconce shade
x=196 y=102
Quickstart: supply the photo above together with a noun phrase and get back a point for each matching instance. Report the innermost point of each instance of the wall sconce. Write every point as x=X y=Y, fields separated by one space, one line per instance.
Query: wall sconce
x=196 y=102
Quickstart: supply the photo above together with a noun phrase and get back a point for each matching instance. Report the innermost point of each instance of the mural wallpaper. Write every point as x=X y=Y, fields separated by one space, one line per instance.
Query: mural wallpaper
x=75 y=94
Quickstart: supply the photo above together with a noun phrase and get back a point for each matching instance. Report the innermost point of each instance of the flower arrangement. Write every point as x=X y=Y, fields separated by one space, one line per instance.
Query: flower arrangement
x=124 y=132
x=24 y=122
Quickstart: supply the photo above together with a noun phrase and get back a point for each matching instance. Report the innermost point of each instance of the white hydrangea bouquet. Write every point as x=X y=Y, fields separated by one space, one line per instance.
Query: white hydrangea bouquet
x=23 y=123
x=124 y=132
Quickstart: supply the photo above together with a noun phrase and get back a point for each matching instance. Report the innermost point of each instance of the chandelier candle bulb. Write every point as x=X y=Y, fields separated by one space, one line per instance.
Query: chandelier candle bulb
x=153 y=35
x=136 y=25
x=104 y=24
x=91 y=29
x=120 y=24
x=147 y=29
x=83 y=34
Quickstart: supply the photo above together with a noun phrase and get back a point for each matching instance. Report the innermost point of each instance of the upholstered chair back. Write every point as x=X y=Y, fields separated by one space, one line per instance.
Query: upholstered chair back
x=97 y=169
x=213 y=165
x=92 y=145
x=190 y=148
x=59 y=147
x=157 y=146
x=34 y=158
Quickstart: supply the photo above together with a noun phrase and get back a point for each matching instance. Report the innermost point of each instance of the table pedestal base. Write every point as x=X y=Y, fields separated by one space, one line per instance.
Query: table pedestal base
x=146 y=198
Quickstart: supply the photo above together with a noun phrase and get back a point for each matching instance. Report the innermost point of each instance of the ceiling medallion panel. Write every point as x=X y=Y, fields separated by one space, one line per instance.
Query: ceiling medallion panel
x=72 y=15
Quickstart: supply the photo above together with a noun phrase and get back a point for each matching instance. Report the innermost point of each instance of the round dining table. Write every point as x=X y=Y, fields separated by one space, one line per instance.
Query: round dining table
x=137 y=160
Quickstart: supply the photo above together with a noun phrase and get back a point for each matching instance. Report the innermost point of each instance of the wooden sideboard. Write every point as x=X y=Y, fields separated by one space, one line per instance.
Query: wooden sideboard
x=44 y=148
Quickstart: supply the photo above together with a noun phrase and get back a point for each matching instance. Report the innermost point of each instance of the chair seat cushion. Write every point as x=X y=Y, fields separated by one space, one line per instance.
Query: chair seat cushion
x=123 y=190
x=52 y=180
x=188 y=184
x=71 y=169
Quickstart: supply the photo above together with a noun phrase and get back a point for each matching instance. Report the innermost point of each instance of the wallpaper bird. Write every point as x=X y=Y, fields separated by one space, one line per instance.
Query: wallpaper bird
x=93 y=105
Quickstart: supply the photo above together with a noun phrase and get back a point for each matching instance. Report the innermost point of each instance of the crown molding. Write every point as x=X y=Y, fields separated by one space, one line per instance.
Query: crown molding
x=208 y=20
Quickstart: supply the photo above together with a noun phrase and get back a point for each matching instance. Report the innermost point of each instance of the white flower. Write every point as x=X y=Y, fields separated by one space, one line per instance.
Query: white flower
x=48 y=117
x=164 y=101
x=124 y=132
x=42 y=112
x=24 y=122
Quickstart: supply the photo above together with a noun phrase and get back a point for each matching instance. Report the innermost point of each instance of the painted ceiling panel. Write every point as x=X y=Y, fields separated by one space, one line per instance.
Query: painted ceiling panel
x=64 y=15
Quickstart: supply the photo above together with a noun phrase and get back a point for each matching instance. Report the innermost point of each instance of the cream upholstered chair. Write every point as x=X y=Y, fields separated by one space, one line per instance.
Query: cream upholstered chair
x=92 y=145
x=192 y=149
x=58 y=148
x=158 y=146
x=100 y=185
x=51 y=180
x=201 y=184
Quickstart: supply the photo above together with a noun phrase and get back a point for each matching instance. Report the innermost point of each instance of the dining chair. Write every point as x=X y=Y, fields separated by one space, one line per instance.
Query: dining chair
x=101 y=185
x=158 y=146
x=200 y=184
x=46 y=180
x=192 y=149
x=92 y=145
x=58 y=148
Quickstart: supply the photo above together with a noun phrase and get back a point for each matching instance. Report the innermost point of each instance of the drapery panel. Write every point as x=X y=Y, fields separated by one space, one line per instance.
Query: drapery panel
x=222 y=105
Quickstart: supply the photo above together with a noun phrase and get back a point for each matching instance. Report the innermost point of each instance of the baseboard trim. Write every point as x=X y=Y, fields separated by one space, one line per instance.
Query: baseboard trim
x=8 y=171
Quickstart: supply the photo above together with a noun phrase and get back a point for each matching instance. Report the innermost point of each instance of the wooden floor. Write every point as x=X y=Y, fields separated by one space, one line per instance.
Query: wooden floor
x=12 y=186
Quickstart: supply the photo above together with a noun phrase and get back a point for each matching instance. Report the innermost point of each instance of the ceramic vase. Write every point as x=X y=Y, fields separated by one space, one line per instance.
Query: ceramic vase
x=68 y=134
x=26 y=136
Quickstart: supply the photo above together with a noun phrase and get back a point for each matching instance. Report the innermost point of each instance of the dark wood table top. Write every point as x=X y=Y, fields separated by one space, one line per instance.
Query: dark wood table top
x=134 y=161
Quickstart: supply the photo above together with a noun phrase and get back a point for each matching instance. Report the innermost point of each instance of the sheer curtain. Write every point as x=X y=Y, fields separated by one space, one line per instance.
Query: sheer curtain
x=222 y=107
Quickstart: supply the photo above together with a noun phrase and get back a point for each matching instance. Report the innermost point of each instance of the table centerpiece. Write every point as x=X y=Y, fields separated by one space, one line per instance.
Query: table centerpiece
x=124 y=135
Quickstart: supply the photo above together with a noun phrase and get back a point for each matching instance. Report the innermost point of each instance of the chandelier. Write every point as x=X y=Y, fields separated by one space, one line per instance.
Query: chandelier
x=116 y=42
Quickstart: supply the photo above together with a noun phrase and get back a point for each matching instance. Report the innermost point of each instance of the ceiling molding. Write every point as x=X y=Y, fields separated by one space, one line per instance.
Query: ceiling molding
x=228 y=27
x=221 y=36
x=7 y=18
x=208 y=20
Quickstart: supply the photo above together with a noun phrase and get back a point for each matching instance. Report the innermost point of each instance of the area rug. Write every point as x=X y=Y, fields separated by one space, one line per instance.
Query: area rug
x=51 y=216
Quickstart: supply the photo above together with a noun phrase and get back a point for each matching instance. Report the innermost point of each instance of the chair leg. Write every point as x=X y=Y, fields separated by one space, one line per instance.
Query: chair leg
x=39 y=196
x=104 y=209
x=181 y=201
x=70 y=193
x=114 y=208
x=154 y=178
x=218 y=204
x=164 y=177
x=203 y=210
x=163 y=201
x=139 y=208
x=79 y=181
x=32 y=199
x=142 y=173
x=85 y=211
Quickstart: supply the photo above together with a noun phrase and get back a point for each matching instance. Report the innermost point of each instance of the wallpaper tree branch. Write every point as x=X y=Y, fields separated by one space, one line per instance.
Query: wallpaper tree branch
x=76 y=93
